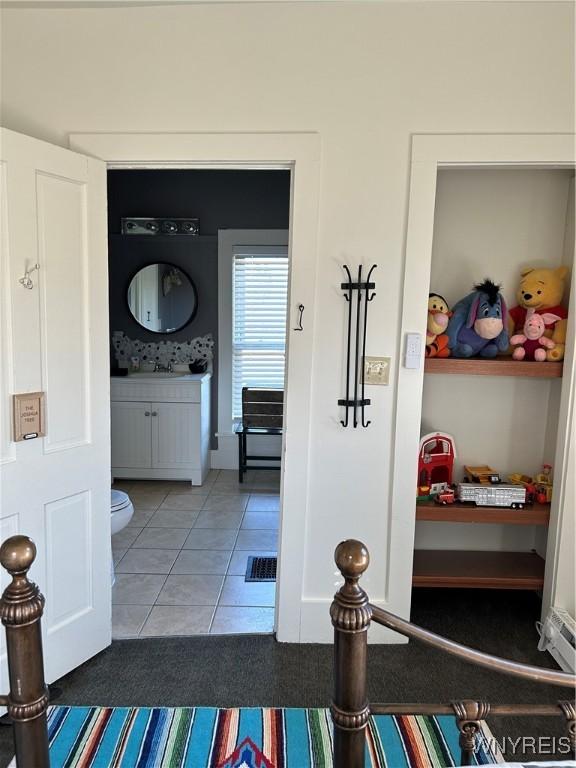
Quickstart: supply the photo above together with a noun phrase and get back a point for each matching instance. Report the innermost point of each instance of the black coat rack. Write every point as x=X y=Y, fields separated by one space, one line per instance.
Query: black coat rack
x=355 y=357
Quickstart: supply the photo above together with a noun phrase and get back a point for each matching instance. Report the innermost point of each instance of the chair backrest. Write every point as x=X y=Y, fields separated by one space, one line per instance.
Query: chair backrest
x=262 y=408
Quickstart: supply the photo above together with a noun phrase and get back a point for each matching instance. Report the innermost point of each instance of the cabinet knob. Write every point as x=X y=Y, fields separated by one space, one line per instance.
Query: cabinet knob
x=154 y=413
x=146 y=413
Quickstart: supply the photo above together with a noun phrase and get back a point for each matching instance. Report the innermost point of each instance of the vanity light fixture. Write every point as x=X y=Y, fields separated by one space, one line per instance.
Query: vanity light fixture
x=26 y=281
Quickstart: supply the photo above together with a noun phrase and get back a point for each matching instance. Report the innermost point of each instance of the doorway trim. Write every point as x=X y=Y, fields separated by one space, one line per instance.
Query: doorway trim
x=300 y=153
x=429 y=154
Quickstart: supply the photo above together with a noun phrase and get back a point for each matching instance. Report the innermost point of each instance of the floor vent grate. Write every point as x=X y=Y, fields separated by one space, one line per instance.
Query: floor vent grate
x=261 y=569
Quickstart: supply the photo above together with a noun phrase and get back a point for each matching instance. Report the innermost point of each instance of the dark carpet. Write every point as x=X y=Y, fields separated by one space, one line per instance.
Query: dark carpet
x=245 y=671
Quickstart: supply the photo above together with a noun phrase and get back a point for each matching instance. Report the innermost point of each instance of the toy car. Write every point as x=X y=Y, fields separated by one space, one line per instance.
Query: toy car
x=517 y=478
x=447 y=496
x=483 y=474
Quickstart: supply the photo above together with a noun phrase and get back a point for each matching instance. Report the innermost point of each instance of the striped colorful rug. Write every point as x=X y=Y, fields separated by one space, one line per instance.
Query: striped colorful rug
x=201 y=737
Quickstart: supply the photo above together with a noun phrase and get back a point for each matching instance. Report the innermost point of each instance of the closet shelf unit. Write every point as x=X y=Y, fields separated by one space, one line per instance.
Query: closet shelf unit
x=467 y=569
x=537 y=514
x=502 y=366
x=477 y=570
x=500 y=411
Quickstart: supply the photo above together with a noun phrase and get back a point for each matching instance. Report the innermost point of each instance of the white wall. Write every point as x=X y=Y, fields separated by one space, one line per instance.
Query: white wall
x=364 y=76
x=494 y=222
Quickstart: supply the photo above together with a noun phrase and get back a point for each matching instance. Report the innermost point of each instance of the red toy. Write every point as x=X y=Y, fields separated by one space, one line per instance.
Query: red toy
x=435 y=462
x=447 y=496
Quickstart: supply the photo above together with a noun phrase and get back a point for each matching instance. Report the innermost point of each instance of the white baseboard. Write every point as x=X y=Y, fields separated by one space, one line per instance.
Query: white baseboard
x=226 y=455
x=196 y=476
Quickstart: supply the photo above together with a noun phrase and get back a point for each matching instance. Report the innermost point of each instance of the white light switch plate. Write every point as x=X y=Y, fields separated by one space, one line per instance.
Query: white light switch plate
x=376 y=370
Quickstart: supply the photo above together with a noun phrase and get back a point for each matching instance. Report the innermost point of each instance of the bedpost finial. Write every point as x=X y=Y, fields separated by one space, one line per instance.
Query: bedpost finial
x=17 y=554
x=352 y=558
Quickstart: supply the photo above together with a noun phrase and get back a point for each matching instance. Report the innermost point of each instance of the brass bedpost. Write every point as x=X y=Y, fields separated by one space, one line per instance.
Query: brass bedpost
x=21 y=608
x=569 y=711
x=350 y=613
x=468 y=716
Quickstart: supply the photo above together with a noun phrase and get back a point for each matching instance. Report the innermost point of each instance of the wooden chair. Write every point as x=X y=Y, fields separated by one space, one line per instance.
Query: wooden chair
x=262 y=414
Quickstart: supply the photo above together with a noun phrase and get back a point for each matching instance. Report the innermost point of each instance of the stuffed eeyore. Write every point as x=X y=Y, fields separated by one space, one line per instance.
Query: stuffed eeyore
x=478 y=323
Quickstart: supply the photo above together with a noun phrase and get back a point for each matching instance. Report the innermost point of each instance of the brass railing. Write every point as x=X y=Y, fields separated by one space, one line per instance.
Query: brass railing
x=352 y=612
x=22 y=605
x=21 y=608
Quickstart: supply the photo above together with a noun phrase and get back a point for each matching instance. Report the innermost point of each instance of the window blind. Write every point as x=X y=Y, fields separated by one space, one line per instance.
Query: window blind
x=260 y=293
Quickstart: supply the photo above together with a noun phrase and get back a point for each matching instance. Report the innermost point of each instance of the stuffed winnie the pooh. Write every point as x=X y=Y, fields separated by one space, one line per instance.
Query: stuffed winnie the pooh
x=541 y=290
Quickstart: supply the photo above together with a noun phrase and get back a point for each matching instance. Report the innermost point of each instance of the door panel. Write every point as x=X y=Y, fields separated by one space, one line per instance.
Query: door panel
x=55 y=339
x=131 y=435
x=66 y=345
x=71 y=589
x=175 y=435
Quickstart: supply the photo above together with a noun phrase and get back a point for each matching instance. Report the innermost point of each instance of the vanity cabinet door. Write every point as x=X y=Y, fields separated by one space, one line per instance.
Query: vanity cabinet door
x=131 y=435
x=175 y=435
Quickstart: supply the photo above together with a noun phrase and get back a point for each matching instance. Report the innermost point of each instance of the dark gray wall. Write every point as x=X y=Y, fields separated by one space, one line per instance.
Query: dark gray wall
x=221 y=200
x=197 y=257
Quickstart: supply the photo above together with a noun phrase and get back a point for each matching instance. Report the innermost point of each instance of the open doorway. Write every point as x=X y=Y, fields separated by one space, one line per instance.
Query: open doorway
x=182 y=560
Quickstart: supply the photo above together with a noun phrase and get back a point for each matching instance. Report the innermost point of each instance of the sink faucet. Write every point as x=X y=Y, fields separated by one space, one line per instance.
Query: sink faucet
x=158 y=367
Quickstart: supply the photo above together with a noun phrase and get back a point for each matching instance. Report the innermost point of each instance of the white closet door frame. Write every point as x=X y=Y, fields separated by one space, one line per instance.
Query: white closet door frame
x=429 y=154
x=299 y=153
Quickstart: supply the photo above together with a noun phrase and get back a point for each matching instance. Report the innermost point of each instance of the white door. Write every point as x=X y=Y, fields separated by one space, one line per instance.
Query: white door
x=54 y=338
x=131 y=435
x=175 y=435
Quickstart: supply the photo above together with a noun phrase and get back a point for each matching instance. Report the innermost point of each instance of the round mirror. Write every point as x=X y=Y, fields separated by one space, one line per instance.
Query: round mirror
x=162 y=298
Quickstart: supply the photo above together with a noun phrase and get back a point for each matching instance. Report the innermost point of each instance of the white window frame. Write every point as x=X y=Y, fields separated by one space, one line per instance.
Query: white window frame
x=278 y=347
x=228 y=239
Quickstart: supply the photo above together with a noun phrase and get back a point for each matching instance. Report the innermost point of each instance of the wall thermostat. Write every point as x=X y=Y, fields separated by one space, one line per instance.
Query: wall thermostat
x=413 y=350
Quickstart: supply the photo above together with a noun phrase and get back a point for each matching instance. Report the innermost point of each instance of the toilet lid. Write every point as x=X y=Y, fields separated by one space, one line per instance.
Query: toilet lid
x=118 y=500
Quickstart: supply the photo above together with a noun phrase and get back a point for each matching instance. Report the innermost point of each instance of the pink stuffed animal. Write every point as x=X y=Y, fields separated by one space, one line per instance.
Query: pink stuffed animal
x=533 y=343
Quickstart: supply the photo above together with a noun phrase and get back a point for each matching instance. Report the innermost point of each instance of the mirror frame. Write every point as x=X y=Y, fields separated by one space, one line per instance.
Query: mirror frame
x=194 y=289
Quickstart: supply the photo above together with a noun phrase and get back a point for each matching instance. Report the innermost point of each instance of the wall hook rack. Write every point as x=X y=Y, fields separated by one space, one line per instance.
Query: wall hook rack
x=355 y=399
x=26 y=281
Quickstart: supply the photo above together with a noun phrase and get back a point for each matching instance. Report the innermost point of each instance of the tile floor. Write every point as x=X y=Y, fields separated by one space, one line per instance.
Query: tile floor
x=180 y=563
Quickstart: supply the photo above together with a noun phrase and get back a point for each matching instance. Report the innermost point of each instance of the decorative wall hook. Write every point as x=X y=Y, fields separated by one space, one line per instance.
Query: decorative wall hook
x=301 y=310
x=26 y=281
x=355 y=357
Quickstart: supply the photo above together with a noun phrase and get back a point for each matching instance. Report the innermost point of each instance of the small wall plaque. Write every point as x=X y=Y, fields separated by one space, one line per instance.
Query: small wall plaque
x=28 y=416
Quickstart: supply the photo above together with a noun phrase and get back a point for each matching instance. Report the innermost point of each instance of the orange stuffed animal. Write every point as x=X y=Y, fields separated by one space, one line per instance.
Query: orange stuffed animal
x=438 y=316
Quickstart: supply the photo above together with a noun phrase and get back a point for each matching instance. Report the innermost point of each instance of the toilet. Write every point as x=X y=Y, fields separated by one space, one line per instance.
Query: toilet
x=121 y=511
